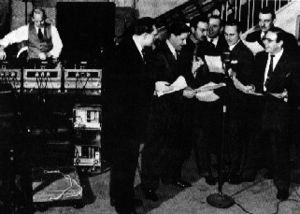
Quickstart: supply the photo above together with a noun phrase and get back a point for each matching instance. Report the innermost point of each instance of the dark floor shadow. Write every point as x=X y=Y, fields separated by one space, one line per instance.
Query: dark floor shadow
x=88 y=194
x=167 y=192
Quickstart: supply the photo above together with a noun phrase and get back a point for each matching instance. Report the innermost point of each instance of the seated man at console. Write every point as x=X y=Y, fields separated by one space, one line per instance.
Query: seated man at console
x=42 y=38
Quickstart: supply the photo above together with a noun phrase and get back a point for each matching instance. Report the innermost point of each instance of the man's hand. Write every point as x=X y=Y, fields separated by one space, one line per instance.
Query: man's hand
x=207 y=96
x=162 y=86
x=2 y=55
x=283 y=95
x=189 y=93
x=197 y=63
x=42 y=56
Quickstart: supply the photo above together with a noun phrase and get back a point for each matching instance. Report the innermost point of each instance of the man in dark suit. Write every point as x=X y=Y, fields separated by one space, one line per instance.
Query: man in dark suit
x=278 y=79
x=195 y=50
x=212 y=111
x=162 y=157
x=215 y=35
x=241 y=71
x=127 y=90
x=266 y=21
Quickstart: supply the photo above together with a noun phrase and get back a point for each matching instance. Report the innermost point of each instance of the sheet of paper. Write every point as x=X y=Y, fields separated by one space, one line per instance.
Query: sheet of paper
x=255 y=47
x=177 y=85
x=214 y=64
x=210 y=86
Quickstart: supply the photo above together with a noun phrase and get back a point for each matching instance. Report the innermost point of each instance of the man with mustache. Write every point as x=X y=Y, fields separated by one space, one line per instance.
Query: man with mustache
x=266 y=21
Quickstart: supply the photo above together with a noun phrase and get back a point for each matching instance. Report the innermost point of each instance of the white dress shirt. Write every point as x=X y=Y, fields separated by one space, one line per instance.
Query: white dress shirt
x=230 y=47
x=214 y=41
x=276 y=58
x=21 y=34
x=172 y=49
x=139 y=47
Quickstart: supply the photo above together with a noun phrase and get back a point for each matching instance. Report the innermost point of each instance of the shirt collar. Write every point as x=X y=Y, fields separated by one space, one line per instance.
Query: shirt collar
x=213 y=40
x=172 y=49
x=277 y=55
x=232 y=46
x=37 y=29
x=138 y=45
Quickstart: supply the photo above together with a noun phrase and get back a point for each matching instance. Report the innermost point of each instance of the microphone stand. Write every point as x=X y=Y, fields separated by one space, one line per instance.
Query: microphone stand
x=219 y=199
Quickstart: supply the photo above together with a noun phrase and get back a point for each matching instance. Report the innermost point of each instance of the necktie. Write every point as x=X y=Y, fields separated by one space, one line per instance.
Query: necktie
x=144 y=55
x=270 y=69
x=177 y=54
x=40 y=34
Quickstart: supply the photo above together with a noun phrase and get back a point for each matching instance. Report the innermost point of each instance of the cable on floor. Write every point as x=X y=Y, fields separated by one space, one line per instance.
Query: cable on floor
x=279 y=202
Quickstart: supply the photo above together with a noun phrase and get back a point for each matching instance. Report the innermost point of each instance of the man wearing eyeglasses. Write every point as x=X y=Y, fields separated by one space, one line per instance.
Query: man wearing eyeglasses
x=267 y=17
x=278 y=81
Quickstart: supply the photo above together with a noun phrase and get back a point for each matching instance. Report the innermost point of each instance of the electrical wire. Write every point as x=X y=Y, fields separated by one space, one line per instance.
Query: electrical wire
x=254 y=184
x=70 y=180
x=290 y=199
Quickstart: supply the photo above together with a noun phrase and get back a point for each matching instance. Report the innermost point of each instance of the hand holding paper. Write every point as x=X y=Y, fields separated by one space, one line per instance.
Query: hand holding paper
x=189 y=92
x=214 y=64
x=283 y=95
x=207 y=96
x=163 y=87
x=210 y=86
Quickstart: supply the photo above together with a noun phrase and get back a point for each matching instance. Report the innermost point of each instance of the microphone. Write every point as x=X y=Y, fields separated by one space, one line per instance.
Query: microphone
x=226 y=59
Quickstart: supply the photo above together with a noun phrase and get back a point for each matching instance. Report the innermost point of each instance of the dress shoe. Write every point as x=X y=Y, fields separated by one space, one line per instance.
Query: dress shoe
x=282 y=194
x=181 y=183
x=210 y=180
x=235 y=179
x=150 y=195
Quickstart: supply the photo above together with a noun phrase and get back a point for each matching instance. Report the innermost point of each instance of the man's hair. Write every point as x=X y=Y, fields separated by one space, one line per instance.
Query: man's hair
x=143 y=25
x=234 y=23
x=279 y=32
x=216 y=17
x=267 y=10
x=194 y=22
x=39 y=10
x=177 y=28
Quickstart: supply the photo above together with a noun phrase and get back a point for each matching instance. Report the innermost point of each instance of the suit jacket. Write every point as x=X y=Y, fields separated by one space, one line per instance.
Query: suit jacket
x=290 y=42
x=221 y=46
x=255 y=36
x=128 y=88
x=244 y=69
x=165 y=67
x=186 y=58
x=166 y=110
x=276 y=112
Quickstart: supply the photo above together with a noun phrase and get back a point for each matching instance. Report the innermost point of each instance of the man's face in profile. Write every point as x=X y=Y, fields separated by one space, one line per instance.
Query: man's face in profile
x=200 y=32
x=178 y=41
x=150 y=37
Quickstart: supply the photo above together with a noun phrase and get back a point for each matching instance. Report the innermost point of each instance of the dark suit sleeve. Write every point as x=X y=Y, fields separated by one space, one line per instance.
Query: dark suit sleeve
x=160 y=68
x=252 y=37
x=291 y=43
x=293 y=83
x=246 y=67
x=258 y=73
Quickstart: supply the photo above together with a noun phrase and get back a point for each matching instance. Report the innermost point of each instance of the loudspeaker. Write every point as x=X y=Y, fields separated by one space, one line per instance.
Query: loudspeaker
x=86 y=29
